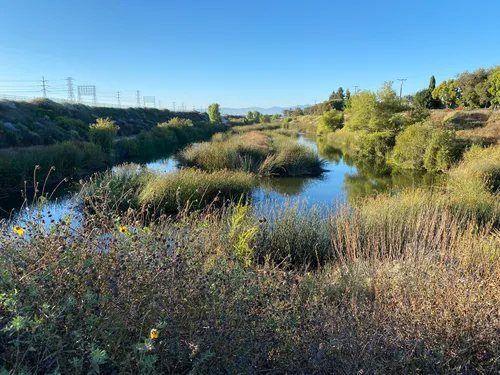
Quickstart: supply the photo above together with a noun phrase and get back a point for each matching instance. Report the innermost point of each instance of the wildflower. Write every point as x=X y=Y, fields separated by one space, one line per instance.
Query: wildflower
x=130 y=210
x=154 y=334
x=123 y=229
x=19 y=230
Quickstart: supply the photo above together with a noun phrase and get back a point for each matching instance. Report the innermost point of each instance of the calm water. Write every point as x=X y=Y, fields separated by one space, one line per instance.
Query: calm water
x=342 y=182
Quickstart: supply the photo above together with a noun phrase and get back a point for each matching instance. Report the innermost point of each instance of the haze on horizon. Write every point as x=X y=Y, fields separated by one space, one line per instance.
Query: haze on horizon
x=258 y=54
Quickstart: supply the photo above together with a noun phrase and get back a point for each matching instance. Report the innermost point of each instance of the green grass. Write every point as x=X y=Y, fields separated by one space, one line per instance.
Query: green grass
x=269 y=154
x=188 y=189
x=55 y=162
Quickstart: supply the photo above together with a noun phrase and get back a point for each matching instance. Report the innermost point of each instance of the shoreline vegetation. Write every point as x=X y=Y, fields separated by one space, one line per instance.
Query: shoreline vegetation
x=182 y=274
x=222 y=289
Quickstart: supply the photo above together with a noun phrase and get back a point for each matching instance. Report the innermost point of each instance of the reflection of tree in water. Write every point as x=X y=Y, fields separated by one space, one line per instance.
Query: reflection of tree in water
x=287 y=185
x=328 y=152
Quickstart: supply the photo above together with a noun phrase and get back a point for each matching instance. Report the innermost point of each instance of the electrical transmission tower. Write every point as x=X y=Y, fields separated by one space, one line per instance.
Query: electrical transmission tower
x=401 y=87
x=356 y=89
x=87 y=91
x=118 y=98
x=138 y=98
x=173 y=106
x=159 y=104
x=149 y=100
x=71 y=91
x=44 y=89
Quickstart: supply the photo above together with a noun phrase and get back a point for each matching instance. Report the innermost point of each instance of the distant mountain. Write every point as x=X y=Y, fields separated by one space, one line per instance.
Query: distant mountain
x=266 y=111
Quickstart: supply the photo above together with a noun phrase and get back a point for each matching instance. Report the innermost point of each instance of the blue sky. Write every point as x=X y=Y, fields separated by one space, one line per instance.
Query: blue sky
x=242 y=53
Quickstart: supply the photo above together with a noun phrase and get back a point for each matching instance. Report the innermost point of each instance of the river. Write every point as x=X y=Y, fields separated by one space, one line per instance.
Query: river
x=342 y=182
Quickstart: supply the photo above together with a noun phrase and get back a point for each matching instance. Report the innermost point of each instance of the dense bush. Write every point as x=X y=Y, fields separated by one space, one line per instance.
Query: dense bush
x=330 y=121
x=103 y=133
x=428 y=146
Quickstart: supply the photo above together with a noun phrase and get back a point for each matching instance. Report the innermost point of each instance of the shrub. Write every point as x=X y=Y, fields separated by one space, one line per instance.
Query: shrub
x=330 y=121
x=103 y=133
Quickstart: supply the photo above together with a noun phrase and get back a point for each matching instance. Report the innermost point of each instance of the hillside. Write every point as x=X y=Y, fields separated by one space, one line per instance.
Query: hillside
x=44 y=122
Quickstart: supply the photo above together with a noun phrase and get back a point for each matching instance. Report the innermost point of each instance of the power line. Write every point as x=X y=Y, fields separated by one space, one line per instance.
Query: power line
x=138 y=98
x=118 y=98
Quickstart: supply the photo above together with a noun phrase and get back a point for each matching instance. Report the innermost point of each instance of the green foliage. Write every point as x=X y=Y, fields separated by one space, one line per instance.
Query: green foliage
x=242 y=233
x=330 y=121
x=56 y=162
x=376 y=112
x=189 y=189
x=448 y=92
x=214 y=113
x=176 y=122
x=423 y=99
x=103 y=133
x=467 y=83
x=442 y=151
x=494 y=86
x=264 y=118
x=426 y=146
x=432 y=84
x=270 y=154
x=375 y=146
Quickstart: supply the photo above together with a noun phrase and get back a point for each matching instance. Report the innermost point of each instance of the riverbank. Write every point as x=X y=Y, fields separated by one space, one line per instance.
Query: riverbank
x=396 y=282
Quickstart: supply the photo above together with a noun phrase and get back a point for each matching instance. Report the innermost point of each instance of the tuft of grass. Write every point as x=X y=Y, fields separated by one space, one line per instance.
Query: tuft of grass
x=270 y=154
x=188 y=189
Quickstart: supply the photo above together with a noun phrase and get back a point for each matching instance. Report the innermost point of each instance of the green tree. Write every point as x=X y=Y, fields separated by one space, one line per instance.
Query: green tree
x=103 y=133
x=249 y=116
x=423 y=99
x=467 y=83
x=264 y=118
x=432 y=83
x=483 y=94
x=330 y=121
x=494 y=89
x=214 y=113
x=448 y=92
x=276 y=117
x=347 y=94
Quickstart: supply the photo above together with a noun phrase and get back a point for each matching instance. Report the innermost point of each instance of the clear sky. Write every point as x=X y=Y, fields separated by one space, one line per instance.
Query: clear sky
x=242 y=53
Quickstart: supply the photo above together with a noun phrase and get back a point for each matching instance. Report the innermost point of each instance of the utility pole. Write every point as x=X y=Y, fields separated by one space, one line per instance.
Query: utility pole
x=71 y=92
x=118 y=98
x=138 y=93
x=356 y=89
x=401 y=87
x=44 y=89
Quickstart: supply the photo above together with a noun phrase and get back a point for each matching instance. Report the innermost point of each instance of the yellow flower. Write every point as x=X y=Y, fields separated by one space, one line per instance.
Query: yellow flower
x=123 y=229
x=130 y=210
x=19 y=230
x=154 y=334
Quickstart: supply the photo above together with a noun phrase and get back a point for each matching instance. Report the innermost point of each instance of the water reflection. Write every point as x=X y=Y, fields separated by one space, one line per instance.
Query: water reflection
x=347 y=179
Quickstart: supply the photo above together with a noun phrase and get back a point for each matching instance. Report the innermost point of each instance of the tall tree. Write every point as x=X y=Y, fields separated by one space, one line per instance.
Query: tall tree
x=340 y=93
x=347 y=94
x=448 y=92
x=214 y=113
x=432 y=83
x=494 y=90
